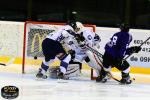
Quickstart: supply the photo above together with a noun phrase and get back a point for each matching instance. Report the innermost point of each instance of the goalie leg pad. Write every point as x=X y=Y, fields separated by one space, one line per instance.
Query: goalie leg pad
x=74 y=62
x=94 y=62
x=73 y=70
x=53 y=72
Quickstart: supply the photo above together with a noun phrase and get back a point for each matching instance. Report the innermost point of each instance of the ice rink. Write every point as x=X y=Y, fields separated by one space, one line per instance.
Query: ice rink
x=81 y=88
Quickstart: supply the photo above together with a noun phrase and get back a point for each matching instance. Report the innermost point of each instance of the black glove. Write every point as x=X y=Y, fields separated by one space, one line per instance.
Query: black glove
x=134 y=49
x=72 y=53
x=137 y=49
x=79 y=37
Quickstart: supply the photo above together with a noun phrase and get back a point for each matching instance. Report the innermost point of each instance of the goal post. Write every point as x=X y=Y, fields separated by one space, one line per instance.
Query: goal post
x=34 y=34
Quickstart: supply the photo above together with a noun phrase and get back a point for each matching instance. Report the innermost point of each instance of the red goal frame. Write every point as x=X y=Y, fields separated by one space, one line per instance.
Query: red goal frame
x=48 y=23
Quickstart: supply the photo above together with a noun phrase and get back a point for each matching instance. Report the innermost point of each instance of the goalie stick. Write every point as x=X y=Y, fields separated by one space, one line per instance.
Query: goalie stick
x=139 y=46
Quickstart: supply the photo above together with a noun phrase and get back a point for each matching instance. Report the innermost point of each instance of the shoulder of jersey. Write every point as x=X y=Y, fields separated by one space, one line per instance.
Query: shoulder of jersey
x=67 y=27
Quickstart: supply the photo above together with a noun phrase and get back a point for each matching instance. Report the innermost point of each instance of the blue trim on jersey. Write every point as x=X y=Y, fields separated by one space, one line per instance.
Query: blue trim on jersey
x=44 y=67
x=71 y=32
x=64 y=64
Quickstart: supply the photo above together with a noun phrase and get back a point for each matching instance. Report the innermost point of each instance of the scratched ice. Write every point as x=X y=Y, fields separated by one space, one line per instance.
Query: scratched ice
x=78 y=89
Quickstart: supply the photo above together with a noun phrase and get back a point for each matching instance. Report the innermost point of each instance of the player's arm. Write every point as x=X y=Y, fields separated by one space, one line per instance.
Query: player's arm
x=133 y=49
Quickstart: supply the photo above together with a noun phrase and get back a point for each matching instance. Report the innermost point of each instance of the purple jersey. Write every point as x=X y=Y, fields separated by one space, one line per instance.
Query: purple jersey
x=118 y=44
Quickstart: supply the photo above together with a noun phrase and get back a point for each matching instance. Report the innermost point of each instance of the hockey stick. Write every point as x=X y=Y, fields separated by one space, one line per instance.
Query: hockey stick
x=101 y=55
x=94 y=51
x=139 y=46
x=2 y=64
x=110 y=75
x=10 y=62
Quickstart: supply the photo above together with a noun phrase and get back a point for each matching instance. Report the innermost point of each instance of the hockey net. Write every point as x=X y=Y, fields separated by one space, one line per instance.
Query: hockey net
x=34 y=34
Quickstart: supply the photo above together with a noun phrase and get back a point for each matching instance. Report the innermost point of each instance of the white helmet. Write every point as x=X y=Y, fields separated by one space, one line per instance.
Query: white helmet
x=79 y=27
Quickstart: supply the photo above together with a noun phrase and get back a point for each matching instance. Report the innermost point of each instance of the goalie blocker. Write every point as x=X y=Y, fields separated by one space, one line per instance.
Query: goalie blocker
x=73 y=70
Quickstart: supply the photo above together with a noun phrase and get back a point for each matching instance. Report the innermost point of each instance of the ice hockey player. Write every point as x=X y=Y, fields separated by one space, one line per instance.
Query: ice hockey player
x=115 y=51
x=86 y=37
x=52 y=48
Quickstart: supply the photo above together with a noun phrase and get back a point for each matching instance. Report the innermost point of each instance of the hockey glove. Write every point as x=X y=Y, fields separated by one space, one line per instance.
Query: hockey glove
x=137 y=49
x=134 y=49
x=79 y=38
x=72 y=53
x=82 y=45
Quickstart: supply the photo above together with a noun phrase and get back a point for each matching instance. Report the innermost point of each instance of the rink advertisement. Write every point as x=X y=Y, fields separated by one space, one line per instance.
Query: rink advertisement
x=141 y=59
x=35 y=35
x=12 y=42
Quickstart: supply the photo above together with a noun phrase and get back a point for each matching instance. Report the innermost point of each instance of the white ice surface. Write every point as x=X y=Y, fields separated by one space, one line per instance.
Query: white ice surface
x=77 y=89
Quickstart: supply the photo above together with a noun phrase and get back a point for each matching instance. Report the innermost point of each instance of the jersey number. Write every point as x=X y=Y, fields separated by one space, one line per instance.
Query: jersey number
x=114 y=40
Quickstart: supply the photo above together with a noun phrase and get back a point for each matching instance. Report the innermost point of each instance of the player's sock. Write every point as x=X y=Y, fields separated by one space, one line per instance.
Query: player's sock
x=42 y=72
x=62 y=70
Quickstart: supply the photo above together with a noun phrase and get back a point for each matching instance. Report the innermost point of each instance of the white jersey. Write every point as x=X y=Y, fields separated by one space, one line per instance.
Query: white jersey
x=72 y=44
x=89 y=36
x=61 y=34
x=89 y=39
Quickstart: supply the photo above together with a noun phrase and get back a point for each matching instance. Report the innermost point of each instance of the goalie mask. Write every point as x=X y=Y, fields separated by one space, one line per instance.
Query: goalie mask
x=73 y=25
x=124 y=28
x=79 y=27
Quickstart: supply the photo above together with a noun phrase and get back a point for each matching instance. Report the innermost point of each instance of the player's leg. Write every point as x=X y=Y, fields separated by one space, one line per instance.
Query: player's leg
x=124 y=67
x=64 y=60
x=49 y=52
x=107 y=62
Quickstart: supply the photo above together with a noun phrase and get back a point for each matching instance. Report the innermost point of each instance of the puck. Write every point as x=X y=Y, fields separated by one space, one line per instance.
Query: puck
x=35 y=57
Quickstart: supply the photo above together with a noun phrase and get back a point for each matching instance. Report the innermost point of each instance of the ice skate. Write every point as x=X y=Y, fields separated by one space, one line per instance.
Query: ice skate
x=103 y=77
x=125 y=79
x=41 y=74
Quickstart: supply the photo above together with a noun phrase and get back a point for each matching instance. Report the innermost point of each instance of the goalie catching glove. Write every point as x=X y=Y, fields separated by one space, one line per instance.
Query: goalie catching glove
x=134 y=49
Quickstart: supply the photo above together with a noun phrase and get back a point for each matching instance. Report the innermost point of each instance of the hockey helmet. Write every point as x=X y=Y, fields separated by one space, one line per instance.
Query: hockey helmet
x=72 y=24
x=124 y=27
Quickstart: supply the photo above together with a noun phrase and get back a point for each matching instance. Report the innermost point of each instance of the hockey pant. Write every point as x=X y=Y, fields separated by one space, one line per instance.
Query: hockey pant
x=52 y=49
